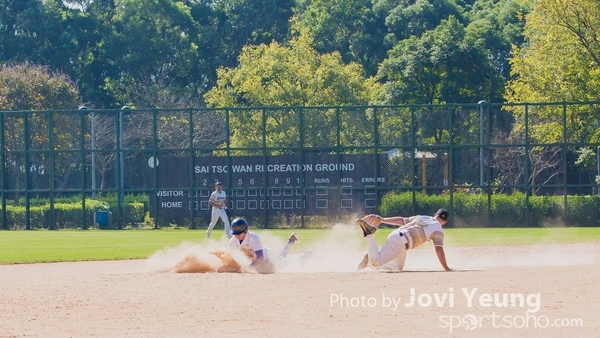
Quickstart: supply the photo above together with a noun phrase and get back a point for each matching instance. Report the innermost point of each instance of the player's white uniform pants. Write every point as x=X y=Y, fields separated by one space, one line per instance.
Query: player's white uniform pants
x=392 y=254
x=216 y=213
x=280 y=261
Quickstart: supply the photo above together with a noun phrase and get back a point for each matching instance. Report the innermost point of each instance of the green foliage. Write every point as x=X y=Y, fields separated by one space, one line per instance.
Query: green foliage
x=154 y=43
x=15 y=217
x=506 y=210
x=586 y=157
x=542 y=74
x=583 y=209
x=444 y=65
x=166 y=53
x=347 y=26
x=471 y=209
x=67 y=212
x=500 y=25
x=277 y=75
x=34 y=87
x=272 y=75
x=406 y=18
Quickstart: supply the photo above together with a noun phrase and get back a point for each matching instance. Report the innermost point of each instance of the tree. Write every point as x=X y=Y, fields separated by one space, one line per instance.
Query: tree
x=33 y=87
x=500 y=23
x=349 y=27
x=560 y=61
x=290 y=76
x=445 y=65
x=545 y=163
x=90 y=29
x=30 y=32
x=587 y=159
x=80 y=4
x=153 y=44
x=248 y=22
x=406 y=18
x=276 y=75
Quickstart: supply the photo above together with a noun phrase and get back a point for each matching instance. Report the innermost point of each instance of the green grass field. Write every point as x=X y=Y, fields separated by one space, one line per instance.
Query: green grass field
x=77 y=245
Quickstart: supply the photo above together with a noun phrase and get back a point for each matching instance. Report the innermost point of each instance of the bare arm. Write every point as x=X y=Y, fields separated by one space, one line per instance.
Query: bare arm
x=442 y=257
x=397 y=220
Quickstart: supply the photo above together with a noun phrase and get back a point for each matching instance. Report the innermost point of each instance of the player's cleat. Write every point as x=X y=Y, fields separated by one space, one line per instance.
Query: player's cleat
x=364 y=263
x=208 y=233
x=294 y=238
x=366 y=228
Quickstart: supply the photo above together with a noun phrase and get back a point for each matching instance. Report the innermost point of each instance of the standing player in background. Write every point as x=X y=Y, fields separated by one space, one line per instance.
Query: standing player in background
x=412 y=232
x=218 y=201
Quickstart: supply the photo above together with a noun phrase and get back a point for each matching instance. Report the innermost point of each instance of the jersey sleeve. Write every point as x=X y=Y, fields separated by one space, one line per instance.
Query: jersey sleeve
x=255 y=243
x=438 y=238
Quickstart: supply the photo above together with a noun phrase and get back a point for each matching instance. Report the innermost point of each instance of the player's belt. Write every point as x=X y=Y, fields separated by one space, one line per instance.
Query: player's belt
x=408 y=239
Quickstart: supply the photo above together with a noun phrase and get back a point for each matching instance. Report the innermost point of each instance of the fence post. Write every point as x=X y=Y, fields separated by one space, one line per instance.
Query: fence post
x=481 y=104
x=598 y=172
x=4 y=174
x=82 y=117
x=121 y=166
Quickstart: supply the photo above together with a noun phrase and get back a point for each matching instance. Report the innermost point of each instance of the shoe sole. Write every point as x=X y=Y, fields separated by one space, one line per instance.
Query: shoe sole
x=294 y=238
x=364 y=263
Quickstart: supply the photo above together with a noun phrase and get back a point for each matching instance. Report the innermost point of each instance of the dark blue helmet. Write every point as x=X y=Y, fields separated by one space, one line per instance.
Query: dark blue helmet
x=239 y=226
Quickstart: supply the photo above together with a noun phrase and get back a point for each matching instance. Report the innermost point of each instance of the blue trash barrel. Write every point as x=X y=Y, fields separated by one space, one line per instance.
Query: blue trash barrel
x=103 y=217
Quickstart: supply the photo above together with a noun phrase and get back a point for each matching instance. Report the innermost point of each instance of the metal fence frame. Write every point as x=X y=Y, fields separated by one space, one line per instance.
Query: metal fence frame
x=481 y=120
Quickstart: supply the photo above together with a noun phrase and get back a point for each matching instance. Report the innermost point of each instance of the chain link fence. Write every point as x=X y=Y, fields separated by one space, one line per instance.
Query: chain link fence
x=285 y=166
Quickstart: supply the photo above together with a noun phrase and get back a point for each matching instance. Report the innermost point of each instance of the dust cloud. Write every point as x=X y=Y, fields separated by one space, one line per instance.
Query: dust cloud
x=194 y=258
x=342 y=248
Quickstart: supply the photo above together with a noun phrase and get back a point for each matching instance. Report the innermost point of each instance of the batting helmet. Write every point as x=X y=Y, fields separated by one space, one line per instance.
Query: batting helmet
x=239 y=226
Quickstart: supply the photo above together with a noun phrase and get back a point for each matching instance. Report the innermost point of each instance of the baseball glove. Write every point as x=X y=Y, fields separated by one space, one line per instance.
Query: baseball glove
x=229 y=263
x=248 y=252
x=372 y=219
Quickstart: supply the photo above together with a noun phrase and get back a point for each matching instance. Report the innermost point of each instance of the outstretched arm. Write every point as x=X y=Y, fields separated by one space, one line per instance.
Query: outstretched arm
x=442 y=257
x=397 y=220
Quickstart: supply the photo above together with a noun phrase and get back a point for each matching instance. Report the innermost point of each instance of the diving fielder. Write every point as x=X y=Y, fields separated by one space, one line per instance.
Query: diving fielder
x=412 y=232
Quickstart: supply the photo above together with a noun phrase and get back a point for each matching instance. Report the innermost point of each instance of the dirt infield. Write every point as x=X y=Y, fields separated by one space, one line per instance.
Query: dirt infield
x=501 y=291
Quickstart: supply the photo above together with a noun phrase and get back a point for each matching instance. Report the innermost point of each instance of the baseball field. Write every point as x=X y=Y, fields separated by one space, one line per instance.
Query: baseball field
x=505 y=283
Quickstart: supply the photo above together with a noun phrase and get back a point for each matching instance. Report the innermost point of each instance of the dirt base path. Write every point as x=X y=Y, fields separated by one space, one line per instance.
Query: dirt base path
x=502 y=291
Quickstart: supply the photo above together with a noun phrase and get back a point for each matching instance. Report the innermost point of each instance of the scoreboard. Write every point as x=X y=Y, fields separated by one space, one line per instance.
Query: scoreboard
x=313 y=183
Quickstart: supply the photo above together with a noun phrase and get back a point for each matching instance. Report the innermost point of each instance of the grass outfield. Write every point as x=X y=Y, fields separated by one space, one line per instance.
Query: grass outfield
x=76 y=245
